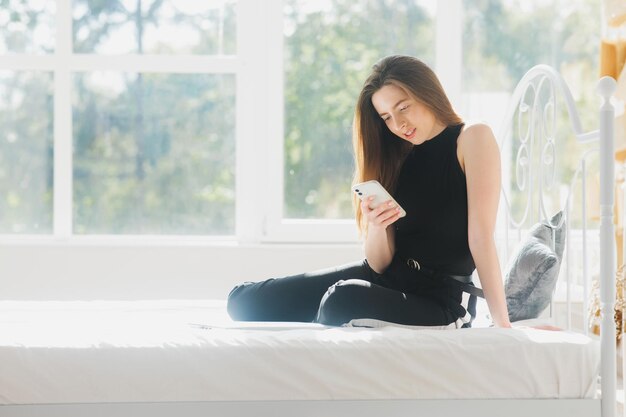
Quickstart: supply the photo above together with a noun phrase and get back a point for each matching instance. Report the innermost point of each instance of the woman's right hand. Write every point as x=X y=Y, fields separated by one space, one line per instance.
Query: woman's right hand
x=380 y=241
x=383 y=215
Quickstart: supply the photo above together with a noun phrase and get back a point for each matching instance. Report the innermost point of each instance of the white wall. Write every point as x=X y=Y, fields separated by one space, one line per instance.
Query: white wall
x=164 y=271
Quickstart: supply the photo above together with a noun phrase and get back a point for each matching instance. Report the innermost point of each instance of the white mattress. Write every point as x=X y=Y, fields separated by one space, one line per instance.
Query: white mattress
x=147 y=351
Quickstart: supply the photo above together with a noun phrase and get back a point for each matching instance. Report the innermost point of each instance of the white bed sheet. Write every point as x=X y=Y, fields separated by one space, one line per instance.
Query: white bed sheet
x=147 y=351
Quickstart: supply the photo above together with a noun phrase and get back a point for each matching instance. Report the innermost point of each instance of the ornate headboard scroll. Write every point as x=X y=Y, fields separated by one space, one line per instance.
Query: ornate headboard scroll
x=530 y=131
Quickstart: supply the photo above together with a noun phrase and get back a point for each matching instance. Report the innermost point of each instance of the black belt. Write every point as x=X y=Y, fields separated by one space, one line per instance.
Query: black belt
x=462 y=281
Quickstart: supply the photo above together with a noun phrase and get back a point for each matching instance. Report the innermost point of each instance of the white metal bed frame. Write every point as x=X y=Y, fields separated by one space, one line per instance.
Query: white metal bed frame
x=537 y=78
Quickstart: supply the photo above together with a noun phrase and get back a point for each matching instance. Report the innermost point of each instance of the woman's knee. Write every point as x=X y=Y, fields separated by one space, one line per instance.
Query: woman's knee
x=336 y=306
x=236 y=306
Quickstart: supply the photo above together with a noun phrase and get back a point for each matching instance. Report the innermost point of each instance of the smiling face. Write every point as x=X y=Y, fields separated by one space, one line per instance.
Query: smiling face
x=405 y=117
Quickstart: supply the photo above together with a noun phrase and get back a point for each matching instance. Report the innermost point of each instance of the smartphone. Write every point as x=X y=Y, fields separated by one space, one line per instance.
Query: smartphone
x=374 y=188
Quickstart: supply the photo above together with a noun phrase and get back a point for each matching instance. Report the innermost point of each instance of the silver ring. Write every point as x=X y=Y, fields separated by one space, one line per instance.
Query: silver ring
x=413 y=264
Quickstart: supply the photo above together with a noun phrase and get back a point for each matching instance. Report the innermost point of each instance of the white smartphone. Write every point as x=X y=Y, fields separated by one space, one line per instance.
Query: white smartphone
x=374 y=188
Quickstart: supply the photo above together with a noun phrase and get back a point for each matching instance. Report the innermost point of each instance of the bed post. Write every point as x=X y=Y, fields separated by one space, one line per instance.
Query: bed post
x=606 y=88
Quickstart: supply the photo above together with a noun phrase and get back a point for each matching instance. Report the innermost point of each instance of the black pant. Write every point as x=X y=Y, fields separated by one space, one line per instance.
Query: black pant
x=335 y=296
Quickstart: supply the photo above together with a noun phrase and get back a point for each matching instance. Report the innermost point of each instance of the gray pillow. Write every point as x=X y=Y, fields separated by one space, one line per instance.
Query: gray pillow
x=534 y=269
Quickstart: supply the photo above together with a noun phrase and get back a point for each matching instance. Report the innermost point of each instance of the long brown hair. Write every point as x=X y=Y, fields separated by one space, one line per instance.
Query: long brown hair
x=378 y=153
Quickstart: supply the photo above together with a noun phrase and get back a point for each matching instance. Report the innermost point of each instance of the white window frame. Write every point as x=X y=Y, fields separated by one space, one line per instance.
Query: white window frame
x=258 y=68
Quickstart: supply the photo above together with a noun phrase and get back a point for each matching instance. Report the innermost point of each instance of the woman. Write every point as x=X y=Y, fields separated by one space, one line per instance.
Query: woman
x=417 y=269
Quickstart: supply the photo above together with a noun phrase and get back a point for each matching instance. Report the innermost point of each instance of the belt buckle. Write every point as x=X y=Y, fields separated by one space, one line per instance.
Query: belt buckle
x=413 y=264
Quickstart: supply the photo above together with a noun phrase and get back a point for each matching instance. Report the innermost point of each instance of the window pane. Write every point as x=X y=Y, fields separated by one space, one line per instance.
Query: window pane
x=26 y=139
x=504 y=39
x=330 y=47
x=155 y=27
x=27 y=26
x=154 y=153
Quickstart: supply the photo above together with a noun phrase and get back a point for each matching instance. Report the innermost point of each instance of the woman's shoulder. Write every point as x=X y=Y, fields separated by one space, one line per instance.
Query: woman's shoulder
x=475 y=134
x=475 y=129
x=475 y=138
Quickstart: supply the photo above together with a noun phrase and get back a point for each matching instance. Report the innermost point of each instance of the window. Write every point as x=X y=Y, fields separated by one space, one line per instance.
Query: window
x=562 y=34
x=27 y=27
x=127 y=124
x=232 y=119
x=144 y=167
x=26 y=119
x=26 y=151
x=329 y=50
x=168 y=27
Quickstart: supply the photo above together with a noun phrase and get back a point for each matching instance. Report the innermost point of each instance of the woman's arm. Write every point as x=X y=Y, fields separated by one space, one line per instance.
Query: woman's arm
x=480 y=159
x=379 y=244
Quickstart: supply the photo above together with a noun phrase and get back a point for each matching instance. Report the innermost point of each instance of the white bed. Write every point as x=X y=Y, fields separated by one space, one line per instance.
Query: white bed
x=149 y=351
x=150 y=359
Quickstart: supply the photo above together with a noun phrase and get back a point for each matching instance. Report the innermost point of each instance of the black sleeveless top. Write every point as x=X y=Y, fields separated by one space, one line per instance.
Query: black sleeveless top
x=432 y=189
